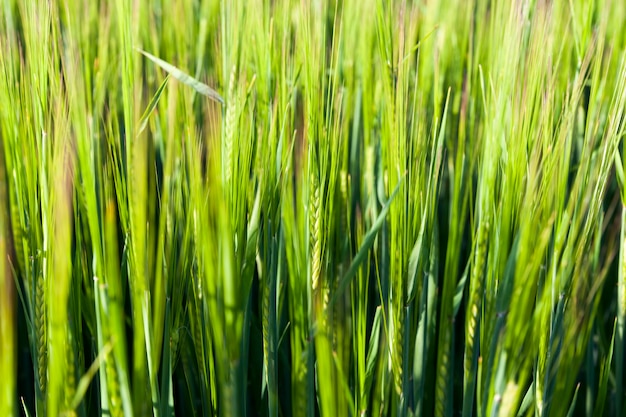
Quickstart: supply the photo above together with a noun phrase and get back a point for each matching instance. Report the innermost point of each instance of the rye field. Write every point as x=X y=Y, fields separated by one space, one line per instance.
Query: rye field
x=310 y=208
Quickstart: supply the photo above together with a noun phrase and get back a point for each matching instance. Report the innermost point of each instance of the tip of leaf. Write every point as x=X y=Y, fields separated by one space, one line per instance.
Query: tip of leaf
x=183 y=77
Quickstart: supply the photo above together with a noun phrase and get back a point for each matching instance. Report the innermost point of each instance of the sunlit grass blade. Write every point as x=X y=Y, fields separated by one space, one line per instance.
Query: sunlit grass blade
x=184 y=78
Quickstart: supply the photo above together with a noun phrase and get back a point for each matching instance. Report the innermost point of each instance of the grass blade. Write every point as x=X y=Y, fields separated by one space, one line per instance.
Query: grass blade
x=184 y=78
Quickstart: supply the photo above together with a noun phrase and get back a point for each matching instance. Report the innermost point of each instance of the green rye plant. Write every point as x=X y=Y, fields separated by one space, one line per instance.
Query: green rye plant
x=312 y=208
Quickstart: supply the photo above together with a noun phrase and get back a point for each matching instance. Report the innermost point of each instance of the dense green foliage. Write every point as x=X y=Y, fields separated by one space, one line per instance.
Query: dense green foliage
x=301 y=208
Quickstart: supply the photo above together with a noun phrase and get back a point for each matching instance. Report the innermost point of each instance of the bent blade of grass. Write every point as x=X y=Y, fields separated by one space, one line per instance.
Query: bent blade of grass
x=184 y=78
x=83 y=384
x=143 y=122
x=368 y=242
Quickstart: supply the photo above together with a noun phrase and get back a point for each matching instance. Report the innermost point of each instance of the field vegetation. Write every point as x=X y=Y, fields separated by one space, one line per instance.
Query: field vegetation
x=312 y=208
